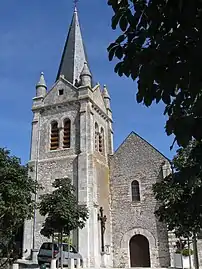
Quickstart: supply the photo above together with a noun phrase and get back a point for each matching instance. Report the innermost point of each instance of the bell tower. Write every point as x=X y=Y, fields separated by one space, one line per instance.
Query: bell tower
x=72 y=137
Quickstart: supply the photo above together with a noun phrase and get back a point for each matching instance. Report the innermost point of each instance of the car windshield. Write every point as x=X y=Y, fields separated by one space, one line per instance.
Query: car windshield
x=48 y=246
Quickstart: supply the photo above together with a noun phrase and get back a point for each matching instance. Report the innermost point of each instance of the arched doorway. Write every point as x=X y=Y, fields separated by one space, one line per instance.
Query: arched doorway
x=139 y=251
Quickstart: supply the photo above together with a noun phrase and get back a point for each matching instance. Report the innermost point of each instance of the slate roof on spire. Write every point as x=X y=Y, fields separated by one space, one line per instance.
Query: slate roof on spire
x=74 y=55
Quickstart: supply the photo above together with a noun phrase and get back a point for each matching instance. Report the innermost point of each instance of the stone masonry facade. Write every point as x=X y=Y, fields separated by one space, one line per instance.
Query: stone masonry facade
x=87 y=167
x=135 y=159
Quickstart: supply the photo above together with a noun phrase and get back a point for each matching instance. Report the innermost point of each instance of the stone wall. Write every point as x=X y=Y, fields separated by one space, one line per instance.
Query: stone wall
x=136 y=160
x=51 y=164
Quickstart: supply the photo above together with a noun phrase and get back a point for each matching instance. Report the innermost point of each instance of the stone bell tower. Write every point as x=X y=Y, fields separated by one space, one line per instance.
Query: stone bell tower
x=72 y=137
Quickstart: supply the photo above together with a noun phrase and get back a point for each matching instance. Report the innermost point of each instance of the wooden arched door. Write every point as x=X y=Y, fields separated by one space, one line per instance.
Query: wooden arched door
x=139 y=251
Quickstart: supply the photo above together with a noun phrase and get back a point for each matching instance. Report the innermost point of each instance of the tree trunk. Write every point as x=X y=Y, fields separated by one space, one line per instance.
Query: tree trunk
x=61 y=251
x=58 y=261
x=53 y=246
x=189 y=253
x=68 y=246
x=196 y=262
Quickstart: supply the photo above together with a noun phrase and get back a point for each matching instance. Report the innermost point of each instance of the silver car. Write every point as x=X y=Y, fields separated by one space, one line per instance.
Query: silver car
x=45 y=253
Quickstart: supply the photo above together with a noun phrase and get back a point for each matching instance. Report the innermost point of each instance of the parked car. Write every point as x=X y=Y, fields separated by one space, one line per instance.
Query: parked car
x=46 y=249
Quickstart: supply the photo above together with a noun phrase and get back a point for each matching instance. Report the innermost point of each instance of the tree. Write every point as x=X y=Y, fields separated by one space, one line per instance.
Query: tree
x=179 y=194
x=160 y=46
x=16 y=202
x=61 y=209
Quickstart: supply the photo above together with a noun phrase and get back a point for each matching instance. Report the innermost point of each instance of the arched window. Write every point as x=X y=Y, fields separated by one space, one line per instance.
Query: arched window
x=101 y=141
x=96 y=136
x=135 y=190
x=67 y=134
x=54 y=136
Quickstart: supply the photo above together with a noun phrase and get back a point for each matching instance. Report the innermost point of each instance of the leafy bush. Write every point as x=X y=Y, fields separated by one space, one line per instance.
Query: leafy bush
x=185 y=252
x=182 y=249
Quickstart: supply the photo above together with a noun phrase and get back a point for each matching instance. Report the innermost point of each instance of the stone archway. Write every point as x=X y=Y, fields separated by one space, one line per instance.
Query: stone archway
x=139 y=251
x=125 y=248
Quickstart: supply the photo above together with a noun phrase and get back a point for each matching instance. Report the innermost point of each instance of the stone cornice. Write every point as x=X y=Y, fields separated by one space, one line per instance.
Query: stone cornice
x=54 y=158
x=95 y=107
x=58 y=105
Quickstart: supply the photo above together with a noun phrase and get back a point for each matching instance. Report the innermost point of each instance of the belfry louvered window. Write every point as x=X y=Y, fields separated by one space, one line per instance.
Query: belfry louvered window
x=101 y=141
x=54 y=136
x=96 y=136
x=67 y=134
x=135 y=190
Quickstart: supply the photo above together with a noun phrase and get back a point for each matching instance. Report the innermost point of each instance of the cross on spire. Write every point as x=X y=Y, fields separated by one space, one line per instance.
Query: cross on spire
x=75 y=3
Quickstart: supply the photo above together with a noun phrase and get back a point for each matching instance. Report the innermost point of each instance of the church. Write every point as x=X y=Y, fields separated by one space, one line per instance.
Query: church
x=72 y=136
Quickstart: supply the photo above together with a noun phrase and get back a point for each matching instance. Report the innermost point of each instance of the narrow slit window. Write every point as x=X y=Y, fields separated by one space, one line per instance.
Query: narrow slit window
x=135 y=191
x=67 y=134
x=54 y=136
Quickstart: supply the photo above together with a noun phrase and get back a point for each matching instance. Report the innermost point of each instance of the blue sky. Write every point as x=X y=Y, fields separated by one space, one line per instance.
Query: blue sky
x=32 y=36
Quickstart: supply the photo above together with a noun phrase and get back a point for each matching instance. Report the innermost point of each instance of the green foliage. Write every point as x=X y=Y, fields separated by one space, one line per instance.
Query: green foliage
x=67 y=240
x=182 y=249
x=179 y=194
x=63 y=214
x=16 y=201
x=160 y=45
x=185 y=252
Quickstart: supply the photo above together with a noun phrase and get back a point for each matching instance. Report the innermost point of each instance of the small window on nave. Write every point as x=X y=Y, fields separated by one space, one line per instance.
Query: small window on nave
x=54 y=143
x=135 y=189
x=67 y=134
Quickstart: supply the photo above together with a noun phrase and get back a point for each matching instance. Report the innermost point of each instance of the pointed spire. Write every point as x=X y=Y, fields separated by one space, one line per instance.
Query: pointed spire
x=41 y=86
x=42 y=82
x=74 y=54
x=85 y=71
x=106 y=97
x=86 y=77
x=106 y=93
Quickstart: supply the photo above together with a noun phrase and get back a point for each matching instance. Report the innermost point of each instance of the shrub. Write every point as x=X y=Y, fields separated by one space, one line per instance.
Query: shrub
x=185 y=252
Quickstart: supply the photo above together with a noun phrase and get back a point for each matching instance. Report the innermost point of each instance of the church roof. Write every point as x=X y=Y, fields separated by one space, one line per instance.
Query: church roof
x=134 y=136
x=74 y=54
